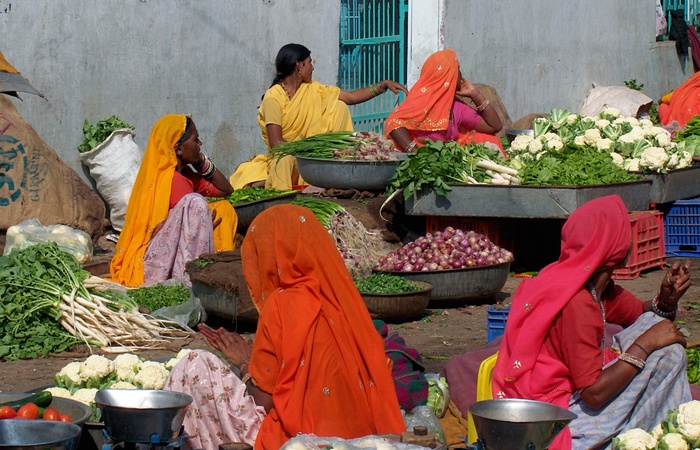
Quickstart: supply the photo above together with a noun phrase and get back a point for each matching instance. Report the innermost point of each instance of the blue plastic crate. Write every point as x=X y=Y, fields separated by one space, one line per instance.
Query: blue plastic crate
x=682 y=229
x=496 y=318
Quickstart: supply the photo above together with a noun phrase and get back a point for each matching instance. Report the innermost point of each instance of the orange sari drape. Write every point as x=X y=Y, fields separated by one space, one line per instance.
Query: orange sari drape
x=684 y=103
x=316 y=350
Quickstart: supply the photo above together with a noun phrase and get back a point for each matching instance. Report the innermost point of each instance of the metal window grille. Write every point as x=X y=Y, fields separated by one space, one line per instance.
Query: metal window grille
x=691 y=8
x=372 y=48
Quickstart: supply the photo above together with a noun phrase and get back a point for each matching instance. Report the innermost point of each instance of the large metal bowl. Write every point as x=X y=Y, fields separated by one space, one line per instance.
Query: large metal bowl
x=23 y=434
x=518 y=424
x=348 y=174
x=78 y=412
x=142 y=415
x=248 y=211
x=398 y=307
x=462 y=285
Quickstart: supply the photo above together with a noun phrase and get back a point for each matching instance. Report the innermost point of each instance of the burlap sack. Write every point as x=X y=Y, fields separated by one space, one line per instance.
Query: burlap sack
x=34 y=182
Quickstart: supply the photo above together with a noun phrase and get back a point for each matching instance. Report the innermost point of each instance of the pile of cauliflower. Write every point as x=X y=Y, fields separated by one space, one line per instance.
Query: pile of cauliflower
x=636 y=145
x=80 y=380
x=679 y=431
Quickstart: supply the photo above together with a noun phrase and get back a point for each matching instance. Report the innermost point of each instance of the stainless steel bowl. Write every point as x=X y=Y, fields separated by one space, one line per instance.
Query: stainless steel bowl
x=512 y=133
x=248 y=211
x=462 y=285
x=510 y=424
x=23 y=434
x=142 y=415
x=348 y=174
x=78 y=412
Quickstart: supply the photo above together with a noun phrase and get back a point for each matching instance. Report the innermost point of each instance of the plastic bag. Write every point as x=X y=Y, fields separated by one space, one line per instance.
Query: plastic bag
x=313 y=442
x=424 y=416
x=187 y=314
x=438 y=394
x=32 y=232
x=630 y=102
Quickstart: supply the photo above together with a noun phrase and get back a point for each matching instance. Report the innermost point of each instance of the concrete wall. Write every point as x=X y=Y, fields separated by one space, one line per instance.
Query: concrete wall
x=546 y=54
x=141 y=59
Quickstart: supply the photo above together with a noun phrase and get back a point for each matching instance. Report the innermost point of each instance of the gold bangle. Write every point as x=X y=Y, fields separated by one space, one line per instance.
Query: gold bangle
x=483 y=106
x=633 y=360
x=246 y=378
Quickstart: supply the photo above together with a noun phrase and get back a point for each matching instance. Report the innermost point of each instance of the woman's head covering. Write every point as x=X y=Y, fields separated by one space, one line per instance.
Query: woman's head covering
x=427 y=106
x=150 y=199
x=313 y=319
x=596 y=236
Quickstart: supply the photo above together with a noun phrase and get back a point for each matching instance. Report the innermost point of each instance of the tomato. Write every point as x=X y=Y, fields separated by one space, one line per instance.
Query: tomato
x=6 y=412
x=28 y=411
x=66 y=418
x=51 y=414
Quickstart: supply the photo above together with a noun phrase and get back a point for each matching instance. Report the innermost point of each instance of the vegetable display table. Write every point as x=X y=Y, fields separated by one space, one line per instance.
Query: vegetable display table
x=543 y=202
x=675 y=185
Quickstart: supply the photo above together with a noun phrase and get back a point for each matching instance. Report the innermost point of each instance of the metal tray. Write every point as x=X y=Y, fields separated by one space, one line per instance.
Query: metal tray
x=679 y=184
x=348 y=174
x=543 y=202
x=248 y=211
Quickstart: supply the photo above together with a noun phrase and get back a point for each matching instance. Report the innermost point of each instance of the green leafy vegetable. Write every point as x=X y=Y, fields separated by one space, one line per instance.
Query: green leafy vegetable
x=160 y=295
x=324 y=210
x=252 y=194
x=97 y=133
x=384 y=283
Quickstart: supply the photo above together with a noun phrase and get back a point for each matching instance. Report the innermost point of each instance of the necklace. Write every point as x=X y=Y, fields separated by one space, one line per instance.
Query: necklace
x=591 y=289
x=284 y=88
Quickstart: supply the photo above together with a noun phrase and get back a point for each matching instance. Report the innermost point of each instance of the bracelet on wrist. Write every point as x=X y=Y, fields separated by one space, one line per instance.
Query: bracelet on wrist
x=633 y=360
x=655 y=309
x=410 y=147
x=641 y=348
x=483 y=106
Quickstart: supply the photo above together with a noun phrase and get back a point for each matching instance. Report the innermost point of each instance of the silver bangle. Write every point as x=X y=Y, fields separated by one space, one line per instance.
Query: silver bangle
x=655 y=309
x=631 y=359
x=410 y=147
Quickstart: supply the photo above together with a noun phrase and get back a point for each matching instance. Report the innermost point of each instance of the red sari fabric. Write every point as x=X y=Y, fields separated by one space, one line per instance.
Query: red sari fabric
x=316 y=349
x=596 y=236
x=685 y=103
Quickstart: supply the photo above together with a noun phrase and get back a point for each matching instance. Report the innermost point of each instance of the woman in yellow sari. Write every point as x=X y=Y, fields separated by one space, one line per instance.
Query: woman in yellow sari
x=295 y=107
x=168 y=219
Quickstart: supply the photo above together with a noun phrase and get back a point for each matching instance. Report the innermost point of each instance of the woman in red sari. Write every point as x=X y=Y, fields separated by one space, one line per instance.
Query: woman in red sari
x=554 y=350
x=317 y=365
x=432 y=110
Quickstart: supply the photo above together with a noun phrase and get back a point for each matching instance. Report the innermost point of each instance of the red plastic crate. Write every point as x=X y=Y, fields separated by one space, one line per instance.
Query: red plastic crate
x=494 y=228
x=648 y=249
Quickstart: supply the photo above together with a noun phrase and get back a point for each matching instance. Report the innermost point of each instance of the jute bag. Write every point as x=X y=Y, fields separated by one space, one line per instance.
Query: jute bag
x=114 y=165
x=35 y=182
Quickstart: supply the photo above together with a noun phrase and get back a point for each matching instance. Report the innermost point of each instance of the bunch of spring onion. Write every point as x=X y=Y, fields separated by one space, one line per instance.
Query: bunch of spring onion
x=361 y=145
x=46 y=280
x=444 y=250
x=359 y=247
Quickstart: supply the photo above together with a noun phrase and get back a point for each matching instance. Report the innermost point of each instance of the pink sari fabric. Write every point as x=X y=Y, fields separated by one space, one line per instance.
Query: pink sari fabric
x=596 y=236
x=221 y=411
x=186 y=233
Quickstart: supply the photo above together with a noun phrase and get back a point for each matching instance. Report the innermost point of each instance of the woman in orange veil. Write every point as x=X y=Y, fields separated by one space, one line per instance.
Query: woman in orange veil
x=432 y=110
x=317 y=364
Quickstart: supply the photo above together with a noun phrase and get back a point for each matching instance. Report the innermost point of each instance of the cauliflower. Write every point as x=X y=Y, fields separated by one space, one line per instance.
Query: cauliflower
x=602 y=123
x=69 y=376
x=59 y=392
x=654 y=158
x=673 y=441
x=152 y=375
x=657 y=432
x=85 y=396
x=610 y=111
x=685 y=160
x=603 y=144
x=535 y=146
x=126 y=366
x=632 y=165
x=689 y=419
x=520 y=142
x=618 y=159
x=572 y=119
x=122 y=385
x=95 y=371
x=580 y=141
x=634 y=439
x=181 y=354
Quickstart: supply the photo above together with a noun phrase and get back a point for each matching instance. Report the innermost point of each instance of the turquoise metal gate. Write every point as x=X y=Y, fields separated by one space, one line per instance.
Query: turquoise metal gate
x=372 y=48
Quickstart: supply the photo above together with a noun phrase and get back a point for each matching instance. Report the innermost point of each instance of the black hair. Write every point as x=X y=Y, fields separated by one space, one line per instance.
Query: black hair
x=287 y=59
x=187 y=133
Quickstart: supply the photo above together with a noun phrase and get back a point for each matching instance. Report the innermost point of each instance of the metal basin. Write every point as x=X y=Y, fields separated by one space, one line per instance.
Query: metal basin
x=142 y=415
x=518 y=424
x=462 y=285
x=248 y=211
x=348 y=174
x=78 y=412
x=398 y=307
x=23 y=434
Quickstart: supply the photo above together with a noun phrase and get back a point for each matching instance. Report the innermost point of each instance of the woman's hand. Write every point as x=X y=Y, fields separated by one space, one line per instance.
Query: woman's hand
x=660 y=335
x=466 y=89
x=231 y=344
x=673 y=286
x=393 y=86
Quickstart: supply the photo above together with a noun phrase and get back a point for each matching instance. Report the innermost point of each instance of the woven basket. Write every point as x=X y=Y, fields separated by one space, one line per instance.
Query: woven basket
x=400 y=307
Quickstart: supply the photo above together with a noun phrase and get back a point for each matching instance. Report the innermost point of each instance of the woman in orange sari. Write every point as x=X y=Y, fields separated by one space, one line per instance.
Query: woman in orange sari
x=682 y=104
x=317 y=365
x=432 y=110
x=168 y=220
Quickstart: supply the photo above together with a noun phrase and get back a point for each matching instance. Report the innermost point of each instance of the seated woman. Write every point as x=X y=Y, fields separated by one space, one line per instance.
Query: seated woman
x=317 y=364
x=295 y=107
x=553 y=347
x=168 y=220
x=432 y=110
x=682 y=104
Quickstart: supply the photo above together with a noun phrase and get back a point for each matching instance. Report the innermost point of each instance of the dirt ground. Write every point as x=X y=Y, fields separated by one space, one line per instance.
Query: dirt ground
x=442 y=332
x=438 y=335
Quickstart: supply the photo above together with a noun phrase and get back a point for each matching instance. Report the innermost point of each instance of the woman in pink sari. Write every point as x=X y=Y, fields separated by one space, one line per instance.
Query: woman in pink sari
x=553 y=348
